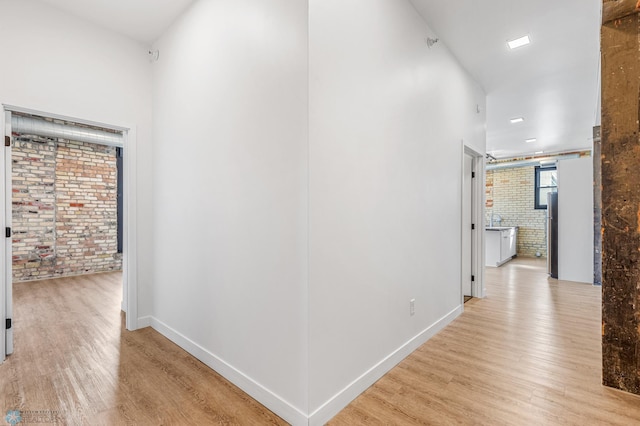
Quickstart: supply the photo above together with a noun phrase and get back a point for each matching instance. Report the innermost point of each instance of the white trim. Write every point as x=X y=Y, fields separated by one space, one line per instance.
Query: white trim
x=129 y=241
x=463 y=225
x=340 y=400
x=479 y=260
x=477 y=217
x=263 y=395
x=8 y=242
x=14 y=108
x=3 y=256
x=145 y=321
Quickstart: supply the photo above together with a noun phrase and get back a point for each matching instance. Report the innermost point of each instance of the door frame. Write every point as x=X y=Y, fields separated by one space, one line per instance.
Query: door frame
x=477 y=218
x=5 y=284
x=129 y=249
x=468 y=232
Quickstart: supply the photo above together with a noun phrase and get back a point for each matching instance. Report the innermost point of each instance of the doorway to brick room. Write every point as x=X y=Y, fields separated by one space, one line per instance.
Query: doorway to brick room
x=70 y=219
x=65 y=204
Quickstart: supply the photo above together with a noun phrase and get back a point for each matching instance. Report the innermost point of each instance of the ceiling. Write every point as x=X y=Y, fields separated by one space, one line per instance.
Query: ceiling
x=141 y=20
x=553 y=83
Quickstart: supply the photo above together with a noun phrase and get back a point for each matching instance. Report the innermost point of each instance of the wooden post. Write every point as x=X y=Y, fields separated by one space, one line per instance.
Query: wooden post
x=621 y=199
x=617 y=9
x=597 y=207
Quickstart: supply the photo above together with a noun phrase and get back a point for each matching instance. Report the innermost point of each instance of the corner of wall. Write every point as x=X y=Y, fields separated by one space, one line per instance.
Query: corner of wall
x=257 y=391
x=340 y=400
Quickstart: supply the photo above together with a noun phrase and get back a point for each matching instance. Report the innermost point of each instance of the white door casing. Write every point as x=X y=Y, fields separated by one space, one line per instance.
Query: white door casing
x=129 y=276
x=467 y=231
x=7 y=281
x=472 y=213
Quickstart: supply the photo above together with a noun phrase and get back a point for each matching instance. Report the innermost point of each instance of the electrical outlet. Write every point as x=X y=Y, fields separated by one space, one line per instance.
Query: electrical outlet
x=412 y=307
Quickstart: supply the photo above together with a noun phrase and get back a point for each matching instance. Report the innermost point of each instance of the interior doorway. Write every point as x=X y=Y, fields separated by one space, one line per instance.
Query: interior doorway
x=472 y=240
x=105 y=138
x=468 y=230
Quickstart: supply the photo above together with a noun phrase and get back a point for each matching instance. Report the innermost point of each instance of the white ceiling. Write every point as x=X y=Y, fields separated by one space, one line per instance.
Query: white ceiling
x=141 y=20
x=553 y=82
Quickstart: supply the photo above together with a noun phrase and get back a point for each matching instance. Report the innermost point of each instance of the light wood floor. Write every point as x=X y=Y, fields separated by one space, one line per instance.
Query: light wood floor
x=528 y=354
x=75 y=365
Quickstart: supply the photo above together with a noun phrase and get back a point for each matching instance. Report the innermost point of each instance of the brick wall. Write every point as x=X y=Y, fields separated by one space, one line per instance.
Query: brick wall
x=64 y=209
x=510 y=194
x=34 y=203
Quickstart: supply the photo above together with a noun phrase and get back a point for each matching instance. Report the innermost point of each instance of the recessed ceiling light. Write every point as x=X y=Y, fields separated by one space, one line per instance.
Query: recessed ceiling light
x=539 y=152
x=517 y=120
x=531 y=140
x=519 y=42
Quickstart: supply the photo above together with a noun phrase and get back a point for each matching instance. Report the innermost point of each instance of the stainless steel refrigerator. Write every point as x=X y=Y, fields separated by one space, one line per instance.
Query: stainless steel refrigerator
x=552 y=234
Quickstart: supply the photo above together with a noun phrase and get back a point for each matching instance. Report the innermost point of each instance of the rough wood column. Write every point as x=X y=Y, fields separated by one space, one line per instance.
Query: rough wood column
x=597 y=207
x=621 y=197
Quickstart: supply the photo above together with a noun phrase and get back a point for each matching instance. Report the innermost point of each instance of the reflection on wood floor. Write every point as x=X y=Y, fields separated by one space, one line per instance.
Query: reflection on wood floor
x=75 y=364
x=528 y=354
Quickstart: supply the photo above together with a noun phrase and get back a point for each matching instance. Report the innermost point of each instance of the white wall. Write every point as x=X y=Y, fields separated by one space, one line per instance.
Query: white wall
x=238 y=172
x=387 y=117
x=575 y=220
x=379 y=165
x=56 y=63
x=230 y=194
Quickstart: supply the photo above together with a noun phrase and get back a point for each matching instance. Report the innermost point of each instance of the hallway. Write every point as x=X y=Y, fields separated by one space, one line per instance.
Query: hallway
x=528 y=354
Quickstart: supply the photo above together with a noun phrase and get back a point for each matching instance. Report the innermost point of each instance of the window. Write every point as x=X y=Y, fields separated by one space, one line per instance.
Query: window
x=546 y=182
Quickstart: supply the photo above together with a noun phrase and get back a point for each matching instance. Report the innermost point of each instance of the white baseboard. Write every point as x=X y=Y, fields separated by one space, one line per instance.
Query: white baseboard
x=144 y=322
x=278 y=405
x=334 y=405
x=263 y=395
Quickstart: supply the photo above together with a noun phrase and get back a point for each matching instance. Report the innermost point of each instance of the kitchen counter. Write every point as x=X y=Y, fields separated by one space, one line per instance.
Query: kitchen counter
x=500 y=244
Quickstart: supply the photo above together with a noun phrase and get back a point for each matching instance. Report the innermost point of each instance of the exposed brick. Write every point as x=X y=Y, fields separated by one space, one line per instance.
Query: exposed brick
x=510 y=194
x=63 y=227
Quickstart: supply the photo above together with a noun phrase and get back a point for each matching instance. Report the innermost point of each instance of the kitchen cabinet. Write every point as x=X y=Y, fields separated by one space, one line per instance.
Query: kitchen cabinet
x=500 y=244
